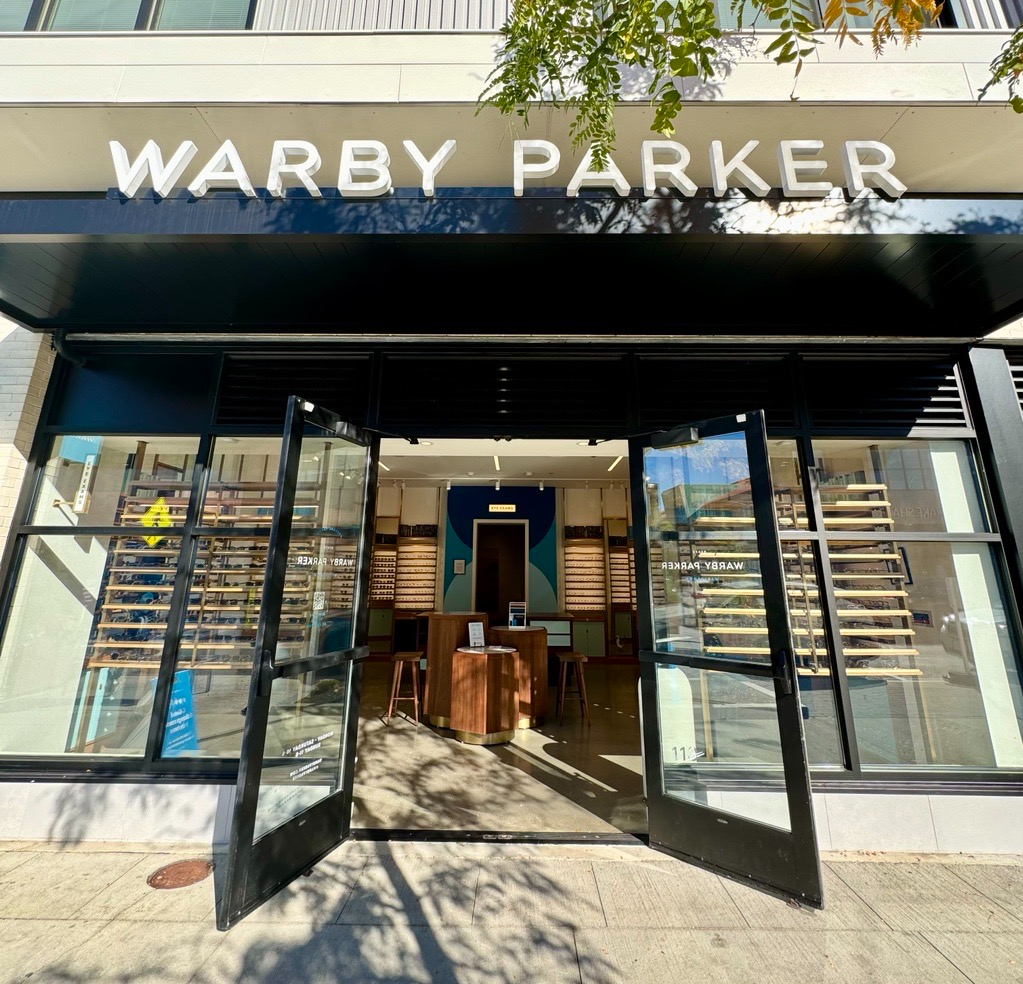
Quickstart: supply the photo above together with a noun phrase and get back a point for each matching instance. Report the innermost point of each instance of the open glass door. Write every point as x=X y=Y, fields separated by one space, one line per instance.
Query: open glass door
x=294 y=798
x=727 y=781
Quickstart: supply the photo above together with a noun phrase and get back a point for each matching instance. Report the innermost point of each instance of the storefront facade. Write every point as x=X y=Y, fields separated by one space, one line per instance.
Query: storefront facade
x=845 y=336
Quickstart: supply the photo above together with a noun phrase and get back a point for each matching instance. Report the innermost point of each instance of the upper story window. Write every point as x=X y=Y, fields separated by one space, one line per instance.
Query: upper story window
x=126 y=15
x=336 y=15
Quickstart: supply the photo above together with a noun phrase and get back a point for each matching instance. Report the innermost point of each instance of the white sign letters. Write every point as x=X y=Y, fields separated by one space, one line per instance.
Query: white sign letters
x=365 y=169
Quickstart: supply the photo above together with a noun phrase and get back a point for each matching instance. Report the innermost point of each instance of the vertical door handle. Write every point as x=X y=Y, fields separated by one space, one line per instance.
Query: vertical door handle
x=784 y=671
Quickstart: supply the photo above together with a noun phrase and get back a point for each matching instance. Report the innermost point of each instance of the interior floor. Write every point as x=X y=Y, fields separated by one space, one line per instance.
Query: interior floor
x=569 y=778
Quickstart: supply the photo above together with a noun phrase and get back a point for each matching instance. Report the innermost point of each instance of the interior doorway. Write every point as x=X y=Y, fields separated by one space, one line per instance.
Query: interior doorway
x=499 y=567
x=560 y=547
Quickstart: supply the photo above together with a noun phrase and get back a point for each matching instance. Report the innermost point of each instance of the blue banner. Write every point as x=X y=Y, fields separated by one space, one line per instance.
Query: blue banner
x=181 y=734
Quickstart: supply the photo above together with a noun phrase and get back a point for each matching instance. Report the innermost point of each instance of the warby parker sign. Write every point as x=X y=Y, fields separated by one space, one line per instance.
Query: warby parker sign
x=365 y=168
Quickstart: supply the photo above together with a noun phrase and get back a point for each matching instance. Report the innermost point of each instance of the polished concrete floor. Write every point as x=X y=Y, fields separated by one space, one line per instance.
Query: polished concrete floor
x=568 y=778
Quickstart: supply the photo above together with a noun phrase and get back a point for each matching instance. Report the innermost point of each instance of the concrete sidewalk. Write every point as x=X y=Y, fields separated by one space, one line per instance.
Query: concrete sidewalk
x=490 y=914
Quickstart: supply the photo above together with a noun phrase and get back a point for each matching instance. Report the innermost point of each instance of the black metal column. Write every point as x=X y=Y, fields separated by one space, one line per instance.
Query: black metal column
x=999 y=423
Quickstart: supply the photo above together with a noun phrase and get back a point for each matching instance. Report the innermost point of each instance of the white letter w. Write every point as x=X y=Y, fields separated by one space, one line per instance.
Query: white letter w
x=130 y=175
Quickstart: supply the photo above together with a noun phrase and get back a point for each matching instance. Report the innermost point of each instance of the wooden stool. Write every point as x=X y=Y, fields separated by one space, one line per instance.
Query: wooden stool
x=400 y=661
x=576 y=660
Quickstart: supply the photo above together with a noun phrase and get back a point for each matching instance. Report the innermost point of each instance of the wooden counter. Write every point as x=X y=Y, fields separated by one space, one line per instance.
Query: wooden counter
x=484 y=695
x=531 y=642
x=445 y=633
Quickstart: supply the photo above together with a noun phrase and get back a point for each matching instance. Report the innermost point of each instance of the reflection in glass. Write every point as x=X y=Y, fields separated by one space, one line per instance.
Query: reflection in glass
x=890 y=486
x=929 y=654
x=812 y=655
x=702 y=486
x=99 y=480
x=94 y=15
x=242 y=481
x=14 y=14
x=709 y=599
x=201 y=15
x=217 y=642
x=83 y=644
x=325 y=541
x=786 y=480
x=302 y=754
x=716 y=727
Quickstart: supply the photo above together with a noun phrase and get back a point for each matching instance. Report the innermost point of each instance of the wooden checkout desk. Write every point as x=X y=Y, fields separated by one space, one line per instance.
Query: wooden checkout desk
x=484 y=695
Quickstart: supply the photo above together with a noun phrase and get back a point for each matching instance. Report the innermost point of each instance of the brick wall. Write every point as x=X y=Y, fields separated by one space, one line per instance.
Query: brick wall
x=25 y=363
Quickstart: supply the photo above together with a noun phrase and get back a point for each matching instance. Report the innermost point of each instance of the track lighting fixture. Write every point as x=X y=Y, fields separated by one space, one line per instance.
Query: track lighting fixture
x=449 y=484
x=541 y=484
x=497 y=485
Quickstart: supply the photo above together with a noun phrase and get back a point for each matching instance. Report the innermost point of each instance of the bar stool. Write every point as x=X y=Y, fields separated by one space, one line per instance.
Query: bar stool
x=401 y=660
x=576 y=661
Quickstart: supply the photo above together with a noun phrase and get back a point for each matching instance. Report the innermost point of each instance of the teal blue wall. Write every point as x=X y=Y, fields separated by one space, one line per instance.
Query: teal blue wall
x=469 y=503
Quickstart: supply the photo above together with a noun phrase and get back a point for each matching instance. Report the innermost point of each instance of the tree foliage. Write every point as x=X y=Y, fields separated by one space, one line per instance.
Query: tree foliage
x=587 y=54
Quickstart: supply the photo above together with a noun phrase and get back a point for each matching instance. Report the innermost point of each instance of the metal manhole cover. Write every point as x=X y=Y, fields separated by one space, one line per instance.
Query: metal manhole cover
x=180 y=874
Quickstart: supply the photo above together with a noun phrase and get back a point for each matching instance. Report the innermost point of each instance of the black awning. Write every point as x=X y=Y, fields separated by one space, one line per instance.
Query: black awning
x=480 y=261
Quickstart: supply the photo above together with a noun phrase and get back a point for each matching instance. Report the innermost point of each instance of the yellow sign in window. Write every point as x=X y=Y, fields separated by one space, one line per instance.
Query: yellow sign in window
x=158 y=514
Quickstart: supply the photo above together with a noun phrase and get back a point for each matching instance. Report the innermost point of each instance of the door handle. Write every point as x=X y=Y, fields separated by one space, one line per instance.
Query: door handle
x=783 y=672
x=265 y=673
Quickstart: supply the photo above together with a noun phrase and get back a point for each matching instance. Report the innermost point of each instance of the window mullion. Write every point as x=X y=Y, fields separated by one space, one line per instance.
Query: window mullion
x=178 y=603
x=829 y=612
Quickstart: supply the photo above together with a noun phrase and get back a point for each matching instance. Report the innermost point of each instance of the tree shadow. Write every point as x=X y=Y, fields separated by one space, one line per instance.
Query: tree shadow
x=550 y=779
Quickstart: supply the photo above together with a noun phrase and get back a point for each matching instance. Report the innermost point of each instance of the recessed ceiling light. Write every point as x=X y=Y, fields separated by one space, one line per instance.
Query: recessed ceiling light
x=583 y=444
x=426 y=444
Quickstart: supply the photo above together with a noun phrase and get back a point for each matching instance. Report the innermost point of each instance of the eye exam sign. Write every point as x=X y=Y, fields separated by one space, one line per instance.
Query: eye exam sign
x=365 y=170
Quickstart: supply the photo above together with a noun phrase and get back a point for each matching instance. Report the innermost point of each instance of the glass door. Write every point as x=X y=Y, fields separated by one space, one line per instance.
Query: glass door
x=727 y=781
x=294 y=798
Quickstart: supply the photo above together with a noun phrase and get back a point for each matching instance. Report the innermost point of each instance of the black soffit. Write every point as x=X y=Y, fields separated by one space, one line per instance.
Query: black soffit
x=482 y=261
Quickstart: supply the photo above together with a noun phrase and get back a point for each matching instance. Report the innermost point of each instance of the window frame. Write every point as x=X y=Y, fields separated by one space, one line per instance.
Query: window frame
x=41 y=12
x=849 y=777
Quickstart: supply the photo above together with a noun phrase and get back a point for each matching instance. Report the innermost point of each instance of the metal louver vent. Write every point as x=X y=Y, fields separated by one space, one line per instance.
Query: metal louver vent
x=677 y=390
x=256 y=391
x=512 y=395
x=1015 y=360
x=883 y=394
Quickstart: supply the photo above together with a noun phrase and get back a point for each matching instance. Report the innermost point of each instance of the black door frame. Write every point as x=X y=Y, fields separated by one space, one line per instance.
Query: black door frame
x=256 y=869
x=783 y=863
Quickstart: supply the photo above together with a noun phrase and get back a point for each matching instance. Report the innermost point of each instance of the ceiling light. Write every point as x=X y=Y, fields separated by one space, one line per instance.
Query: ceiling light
x=382 y=465
x=449 y=484
x=583 y=444
x=497 y=485
x=403 y=486
x=614 y=463
x=497 y=463
x=541 y=484
x=425 y=444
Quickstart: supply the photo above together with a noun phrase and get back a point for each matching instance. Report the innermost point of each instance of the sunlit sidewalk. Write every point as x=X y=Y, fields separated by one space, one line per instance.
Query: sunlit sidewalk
x=411 y=912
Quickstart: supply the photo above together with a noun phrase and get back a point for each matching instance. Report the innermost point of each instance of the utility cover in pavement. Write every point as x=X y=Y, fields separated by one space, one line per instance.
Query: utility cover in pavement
x=180 y=874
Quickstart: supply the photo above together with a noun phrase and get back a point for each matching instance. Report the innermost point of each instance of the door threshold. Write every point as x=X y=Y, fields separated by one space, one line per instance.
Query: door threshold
x=496 y=837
